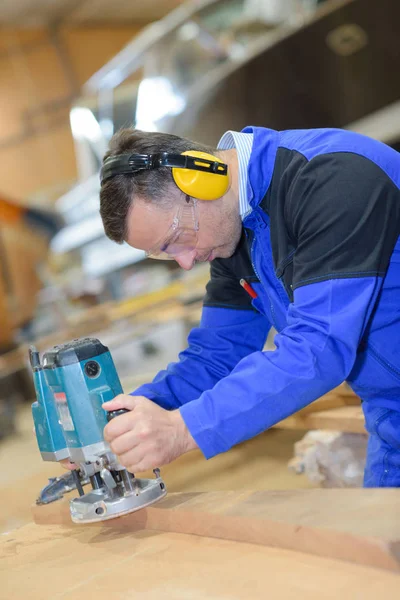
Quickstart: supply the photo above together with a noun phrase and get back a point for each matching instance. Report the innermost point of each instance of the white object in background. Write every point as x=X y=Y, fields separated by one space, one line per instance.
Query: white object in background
x=156 y=99
x=383 y=124
x=81 y=201
x=103 y=256
x=331 y=458
x=77 y=235
x=89 y=140
x=270 y=11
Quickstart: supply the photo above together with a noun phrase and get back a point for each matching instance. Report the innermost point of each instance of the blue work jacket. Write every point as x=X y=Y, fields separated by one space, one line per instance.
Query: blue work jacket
x=321 y=249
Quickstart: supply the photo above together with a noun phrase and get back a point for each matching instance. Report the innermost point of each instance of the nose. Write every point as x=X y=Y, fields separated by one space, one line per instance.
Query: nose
x=186 y=261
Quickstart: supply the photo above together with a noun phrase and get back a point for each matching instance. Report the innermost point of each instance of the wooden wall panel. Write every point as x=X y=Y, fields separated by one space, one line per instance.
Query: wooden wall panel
x=13 y=101
x=90 y=49
x=43 y=77
x=24 y=38
x=5 y=323
x=25 y=249
x=41 y=162
x=37 y=82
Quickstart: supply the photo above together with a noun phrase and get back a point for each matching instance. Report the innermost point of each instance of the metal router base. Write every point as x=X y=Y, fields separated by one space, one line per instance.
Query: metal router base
x=101 y=504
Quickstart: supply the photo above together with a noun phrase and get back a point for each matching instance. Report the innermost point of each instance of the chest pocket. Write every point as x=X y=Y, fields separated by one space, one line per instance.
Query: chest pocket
x=261 y=303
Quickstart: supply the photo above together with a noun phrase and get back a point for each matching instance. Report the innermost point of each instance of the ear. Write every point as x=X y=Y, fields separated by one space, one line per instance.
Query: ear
x=200 y=184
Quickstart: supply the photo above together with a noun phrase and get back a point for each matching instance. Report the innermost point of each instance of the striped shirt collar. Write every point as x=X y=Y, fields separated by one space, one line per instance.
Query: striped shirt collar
x=243 y=143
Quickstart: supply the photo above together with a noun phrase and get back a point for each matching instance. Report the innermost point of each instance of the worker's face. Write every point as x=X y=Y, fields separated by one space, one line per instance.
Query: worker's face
x=218 y=234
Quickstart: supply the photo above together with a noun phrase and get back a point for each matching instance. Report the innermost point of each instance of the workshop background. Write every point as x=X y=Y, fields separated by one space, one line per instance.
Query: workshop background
x=73 y=72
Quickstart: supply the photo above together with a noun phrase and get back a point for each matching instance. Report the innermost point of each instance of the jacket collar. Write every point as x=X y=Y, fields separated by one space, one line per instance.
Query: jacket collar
x=261 y=164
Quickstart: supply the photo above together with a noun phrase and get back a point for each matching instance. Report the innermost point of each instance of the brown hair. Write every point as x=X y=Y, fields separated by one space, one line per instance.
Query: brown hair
x=117 y=194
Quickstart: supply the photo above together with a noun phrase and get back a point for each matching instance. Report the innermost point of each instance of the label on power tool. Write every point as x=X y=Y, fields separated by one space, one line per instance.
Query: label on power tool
x=63 y=411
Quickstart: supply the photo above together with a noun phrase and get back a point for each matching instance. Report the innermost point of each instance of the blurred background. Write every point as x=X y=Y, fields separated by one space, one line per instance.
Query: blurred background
x=73 y=72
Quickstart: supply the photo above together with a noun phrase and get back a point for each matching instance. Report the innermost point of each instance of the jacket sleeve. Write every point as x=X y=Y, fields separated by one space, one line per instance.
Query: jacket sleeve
x=230 y=329
x=343 y=213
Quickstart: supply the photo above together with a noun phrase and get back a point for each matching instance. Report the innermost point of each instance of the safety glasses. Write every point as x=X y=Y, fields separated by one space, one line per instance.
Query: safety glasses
x=181 y=237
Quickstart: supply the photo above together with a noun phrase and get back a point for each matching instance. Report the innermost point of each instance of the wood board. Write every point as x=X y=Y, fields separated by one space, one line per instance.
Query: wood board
x=349 y=419
x=354 y=525
x=258 y=464
x=342 y=395
x=55 y=562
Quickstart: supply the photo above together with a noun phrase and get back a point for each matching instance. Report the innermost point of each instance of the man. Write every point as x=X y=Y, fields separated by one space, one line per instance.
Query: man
x=310 y=220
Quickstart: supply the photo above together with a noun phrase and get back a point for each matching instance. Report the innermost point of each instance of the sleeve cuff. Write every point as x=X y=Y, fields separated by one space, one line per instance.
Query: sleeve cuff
x=204 y=436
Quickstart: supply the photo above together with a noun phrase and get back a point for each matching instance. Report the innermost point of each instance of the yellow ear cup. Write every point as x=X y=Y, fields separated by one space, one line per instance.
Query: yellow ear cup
x=199 y=184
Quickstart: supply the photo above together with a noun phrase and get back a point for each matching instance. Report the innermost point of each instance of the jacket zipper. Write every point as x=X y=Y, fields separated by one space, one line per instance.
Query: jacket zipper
x=266 y=290
x=252 y=262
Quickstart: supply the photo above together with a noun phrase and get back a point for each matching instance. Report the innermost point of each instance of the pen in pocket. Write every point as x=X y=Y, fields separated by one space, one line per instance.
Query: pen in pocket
x=248 y=288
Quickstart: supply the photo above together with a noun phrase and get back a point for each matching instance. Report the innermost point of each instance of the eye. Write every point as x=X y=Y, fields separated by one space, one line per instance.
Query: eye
x=171 y=240
x=186 y=240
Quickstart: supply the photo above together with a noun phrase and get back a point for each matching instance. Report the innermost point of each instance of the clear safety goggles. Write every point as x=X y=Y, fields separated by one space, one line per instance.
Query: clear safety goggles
x=181 y=237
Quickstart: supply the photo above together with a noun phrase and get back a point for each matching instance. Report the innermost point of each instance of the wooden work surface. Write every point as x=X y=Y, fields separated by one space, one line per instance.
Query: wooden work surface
x=258 y=464
x=49 y=562
x=355 y=525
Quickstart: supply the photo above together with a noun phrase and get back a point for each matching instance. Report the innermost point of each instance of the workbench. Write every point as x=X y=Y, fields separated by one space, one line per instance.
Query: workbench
x=262 y=545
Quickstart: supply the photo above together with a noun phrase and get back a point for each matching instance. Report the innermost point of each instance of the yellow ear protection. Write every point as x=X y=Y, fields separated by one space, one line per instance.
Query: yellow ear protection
x=198 y=174
x=207 y=179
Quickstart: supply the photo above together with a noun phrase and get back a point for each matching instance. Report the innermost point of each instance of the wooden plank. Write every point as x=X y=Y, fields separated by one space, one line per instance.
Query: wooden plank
x=54 y=562
x=258 y=464
x=340 y=524
x=344 y=418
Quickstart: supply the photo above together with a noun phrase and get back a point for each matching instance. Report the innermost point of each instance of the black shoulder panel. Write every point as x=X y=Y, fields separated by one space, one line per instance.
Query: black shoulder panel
x=335 y=216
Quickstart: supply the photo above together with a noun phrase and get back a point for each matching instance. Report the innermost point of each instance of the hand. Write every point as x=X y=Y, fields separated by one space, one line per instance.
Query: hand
x=148 y=436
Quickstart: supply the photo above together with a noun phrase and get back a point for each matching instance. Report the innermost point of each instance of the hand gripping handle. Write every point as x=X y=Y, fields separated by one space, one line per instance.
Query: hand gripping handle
x=116 y=413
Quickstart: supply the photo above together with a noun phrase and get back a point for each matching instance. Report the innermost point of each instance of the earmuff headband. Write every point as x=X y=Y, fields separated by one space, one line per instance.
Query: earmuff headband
x=129 y=164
